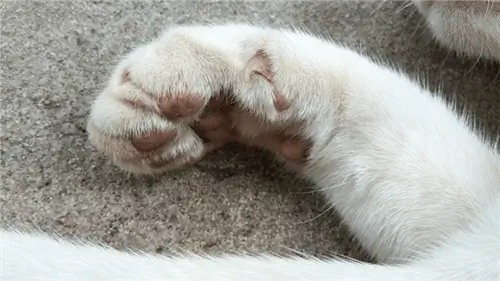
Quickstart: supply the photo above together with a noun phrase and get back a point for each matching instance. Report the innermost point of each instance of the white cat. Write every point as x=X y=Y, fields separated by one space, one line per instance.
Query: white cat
x=417 y=186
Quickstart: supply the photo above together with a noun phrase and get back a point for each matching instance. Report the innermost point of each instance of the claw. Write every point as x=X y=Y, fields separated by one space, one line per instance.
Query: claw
x=260 y=65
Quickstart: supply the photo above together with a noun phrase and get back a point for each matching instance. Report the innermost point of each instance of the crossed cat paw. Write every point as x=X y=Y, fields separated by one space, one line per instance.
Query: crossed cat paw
x=166 y=107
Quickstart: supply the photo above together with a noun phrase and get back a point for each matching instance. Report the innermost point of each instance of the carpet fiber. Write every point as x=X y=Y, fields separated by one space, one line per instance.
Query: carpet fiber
x=56 y=55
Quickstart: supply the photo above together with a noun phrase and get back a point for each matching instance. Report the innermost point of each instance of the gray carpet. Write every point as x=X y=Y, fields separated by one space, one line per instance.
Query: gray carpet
x=56 y=55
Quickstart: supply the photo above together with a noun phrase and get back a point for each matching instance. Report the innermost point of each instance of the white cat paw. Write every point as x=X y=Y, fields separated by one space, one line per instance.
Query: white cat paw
x=142 y=118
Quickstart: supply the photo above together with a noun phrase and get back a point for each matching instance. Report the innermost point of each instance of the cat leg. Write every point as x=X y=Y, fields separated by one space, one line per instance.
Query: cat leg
x=403 y=169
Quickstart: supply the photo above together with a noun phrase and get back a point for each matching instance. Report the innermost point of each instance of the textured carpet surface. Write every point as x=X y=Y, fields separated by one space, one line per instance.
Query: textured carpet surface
x=55 y=56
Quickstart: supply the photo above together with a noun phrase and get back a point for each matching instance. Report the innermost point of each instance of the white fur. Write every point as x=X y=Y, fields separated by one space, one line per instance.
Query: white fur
x=416 y=185
x=470 y=27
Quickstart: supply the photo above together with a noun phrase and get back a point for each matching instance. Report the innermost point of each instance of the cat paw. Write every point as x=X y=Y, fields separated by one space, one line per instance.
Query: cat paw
x=228 y=122
x=142 y=119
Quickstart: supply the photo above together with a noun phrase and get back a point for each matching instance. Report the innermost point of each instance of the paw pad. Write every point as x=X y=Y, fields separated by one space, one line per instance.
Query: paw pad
x=280 y=103
x=153 y=140
x=295 y=150
x=180 y=106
